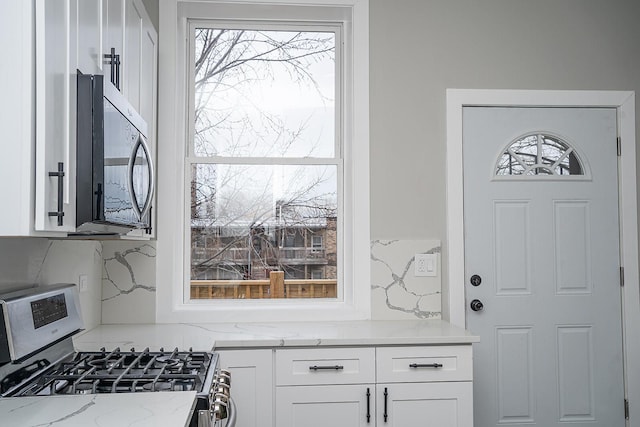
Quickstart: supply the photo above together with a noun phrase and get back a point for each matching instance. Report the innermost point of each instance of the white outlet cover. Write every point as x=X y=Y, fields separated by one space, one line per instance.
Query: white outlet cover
x=83 y=284
x=425 y=265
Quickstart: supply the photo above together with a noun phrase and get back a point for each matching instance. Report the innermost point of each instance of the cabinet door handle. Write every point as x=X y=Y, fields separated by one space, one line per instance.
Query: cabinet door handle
x=324 y=368
x=114 y=61
x=118 y=72
x=386 y=396
x=59 y=174
x=426 y=365
x=368 y=406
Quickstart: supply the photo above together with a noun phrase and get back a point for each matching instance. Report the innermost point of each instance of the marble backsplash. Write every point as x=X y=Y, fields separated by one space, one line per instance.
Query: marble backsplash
x=396 y=293
x=128 y=281
x=34 y=261
x=121 y=276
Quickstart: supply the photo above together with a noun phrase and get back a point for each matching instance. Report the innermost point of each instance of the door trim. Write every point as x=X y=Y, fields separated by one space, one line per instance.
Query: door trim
x=624 y=102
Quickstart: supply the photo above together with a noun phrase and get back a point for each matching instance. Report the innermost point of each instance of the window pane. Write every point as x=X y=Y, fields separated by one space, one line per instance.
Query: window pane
x=248 y=221
x=264 y=93
x=539 y=154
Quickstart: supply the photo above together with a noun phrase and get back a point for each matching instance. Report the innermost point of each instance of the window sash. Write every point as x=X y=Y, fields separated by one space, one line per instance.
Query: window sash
x=337 y=159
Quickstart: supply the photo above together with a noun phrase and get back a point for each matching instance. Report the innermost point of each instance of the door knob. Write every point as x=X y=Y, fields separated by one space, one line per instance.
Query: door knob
x=476 y=305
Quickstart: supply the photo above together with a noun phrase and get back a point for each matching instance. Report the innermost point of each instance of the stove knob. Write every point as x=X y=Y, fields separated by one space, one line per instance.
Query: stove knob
x=224 y=380
x=222 y=389
x=224 y=377
x=219 y=411
x=220 y=407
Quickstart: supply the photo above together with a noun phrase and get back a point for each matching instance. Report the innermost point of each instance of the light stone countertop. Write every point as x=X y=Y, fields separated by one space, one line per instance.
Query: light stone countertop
x=120 y=409
x=174 y=408
x=207 y=336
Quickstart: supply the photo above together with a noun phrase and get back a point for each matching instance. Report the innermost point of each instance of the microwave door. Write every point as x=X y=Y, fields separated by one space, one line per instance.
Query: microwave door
x=141 y=176
x=122 y=136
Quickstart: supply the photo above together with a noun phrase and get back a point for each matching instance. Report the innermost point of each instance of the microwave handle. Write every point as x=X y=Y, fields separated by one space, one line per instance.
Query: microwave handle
x=147 y=204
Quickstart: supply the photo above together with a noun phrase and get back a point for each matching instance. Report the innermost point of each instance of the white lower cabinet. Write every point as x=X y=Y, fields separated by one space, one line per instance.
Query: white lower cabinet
x=346 y=405
x=425 y=404
x=251 y=385
x=364 y=386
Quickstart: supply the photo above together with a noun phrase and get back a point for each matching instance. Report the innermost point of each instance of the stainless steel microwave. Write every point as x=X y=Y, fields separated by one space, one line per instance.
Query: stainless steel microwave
x=115 y=174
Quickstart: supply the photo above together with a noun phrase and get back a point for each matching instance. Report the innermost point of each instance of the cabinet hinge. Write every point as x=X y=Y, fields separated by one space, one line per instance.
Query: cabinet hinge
x=626 y=409
x=621 y=276
x=619 y=144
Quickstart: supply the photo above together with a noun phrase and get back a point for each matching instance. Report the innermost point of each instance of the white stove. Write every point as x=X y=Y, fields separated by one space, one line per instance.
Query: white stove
x=37 y=359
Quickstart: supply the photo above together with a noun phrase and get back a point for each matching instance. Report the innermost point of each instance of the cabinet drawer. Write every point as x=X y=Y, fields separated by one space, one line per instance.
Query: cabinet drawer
x=420 y=364
x=325 y=366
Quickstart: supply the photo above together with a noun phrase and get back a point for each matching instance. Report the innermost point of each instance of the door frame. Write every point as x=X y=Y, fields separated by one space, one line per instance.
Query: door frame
x=624 y=102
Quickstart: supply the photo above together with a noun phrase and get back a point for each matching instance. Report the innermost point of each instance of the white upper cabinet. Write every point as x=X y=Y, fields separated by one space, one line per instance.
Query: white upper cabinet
x=55 y=29
x=112 y=38
x=49 y=42
x=89 y=43
x=16 y=118
x=140 y=60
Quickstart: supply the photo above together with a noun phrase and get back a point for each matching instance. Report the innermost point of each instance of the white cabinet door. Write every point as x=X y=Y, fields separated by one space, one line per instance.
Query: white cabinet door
x=89 y=49
x=322 y=406
x=16 y=118
x=251 y=385
x=425 y=404
x=131 y=63
x=113 y=32
x=54 y=125
x=148 y=75
x=139 y=63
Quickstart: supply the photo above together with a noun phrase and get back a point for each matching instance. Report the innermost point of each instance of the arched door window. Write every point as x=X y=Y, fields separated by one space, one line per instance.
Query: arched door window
x=539 y=154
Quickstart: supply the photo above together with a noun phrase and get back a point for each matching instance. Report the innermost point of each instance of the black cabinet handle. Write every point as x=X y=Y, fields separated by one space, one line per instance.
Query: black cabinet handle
x=325 y=368
x=59 y=174
x=118 y=72
x=386 y=395
x=426 y=365
x=368 y=405
x=114 y=60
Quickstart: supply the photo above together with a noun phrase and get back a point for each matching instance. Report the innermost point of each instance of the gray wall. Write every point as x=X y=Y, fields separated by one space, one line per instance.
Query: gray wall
x=419 y=48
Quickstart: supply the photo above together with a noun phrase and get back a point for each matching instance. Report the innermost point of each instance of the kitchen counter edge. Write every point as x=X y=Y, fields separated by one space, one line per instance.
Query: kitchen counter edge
x=219 y=336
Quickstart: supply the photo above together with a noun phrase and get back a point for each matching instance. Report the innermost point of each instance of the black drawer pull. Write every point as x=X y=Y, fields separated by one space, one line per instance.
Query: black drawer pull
x=368 y=406
x=427 y=365
x=325 y=368
x=386 y=397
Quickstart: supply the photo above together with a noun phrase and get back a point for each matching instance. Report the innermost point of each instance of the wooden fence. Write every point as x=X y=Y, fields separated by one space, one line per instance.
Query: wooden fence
x=275 y=287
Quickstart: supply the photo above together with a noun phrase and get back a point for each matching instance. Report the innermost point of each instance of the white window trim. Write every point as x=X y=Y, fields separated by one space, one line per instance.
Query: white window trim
x=170 y=305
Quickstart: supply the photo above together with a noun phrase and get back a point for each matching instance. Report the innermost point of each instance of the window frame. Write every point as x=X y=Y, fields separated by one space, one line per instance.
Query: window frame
x=173 y=304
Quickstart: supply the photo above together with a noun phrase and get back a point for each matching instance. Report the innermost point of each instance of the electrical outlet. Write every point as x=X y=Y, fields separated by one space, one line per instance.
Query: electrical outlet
x=425 y=265
x=83 y=283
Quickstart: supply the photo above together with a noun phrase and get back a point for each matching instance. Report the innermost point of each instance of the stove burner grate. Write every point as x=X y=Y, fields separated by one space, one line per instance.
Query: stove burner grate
x=121 y=372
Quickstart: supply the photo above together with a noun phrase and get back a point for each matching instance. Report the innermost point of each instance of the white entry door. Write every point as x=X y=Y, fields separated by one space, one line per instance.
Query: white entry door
x=542 y=258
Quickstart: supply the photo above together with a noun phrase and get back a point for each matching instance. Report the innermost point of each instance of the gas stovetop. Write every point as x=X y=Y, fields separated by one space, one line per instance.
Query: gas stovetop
x=117 y=372
x=37 y=359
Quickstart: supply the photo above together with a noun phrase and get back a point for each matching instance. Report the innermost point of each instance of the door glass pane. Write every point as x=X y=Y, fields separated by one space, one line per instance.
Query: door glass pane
x=539 y=154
